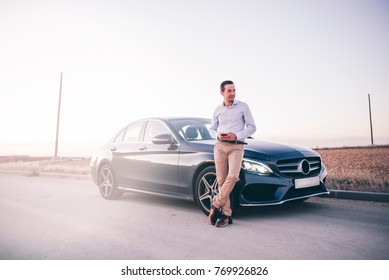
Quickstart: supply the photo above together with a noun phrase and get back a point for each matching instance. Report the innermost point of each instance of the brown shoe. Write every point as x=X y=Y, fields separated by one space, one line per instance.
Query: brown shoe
x=223 y=221
x=214 y=214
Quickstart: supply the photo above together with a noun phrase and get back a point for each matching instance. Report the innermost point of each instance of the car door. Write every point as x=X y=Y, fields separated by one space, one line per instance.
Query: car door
x=124 y=155
x=157 y=161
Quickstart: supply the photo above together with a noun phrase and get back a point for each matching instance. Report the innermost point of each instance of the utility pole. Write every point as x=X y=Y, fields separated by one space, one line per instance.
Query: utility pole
x=59 y=113
x=371 y=121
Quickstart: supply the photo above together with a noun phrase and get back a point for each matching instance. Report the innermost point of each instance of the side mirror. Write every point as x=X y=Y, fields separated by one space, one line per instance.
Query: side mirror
x=163 y=139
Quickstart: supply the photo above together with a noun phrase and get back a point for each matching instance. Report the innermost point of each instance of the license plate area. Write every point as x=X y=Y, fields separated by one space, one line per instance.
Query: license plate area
x=307 y=182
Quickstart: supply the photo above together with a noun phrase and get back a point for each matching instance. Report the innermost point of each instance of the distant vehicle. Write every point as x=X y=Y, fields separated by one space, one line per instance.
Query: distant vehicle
x=173 y=157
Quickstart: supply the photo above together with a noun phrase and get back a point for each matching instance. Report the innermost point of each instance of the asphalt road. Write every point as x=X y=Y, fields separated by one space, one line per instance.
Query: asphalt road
x=50 y=218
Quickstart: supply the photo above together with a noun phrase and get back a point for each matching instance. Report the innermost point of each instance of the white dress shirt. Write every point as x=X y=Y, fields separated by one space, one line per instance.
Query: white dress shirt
x=237 y=119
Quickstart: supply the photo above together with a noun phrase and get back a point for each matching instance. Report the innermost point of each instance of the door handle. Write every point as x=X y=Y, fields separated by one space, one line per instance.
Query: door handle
x=113 y=149
x=142 y=148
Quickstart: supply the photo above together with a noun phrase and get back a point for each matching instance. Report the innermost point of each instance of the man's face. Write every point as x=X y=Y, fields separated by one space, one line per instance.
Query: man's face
x=229 y=94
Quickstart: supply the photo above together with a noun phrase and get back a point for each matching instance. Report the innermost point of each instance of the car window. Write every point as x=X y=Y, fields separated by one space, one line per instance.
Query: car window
x=192 y=129
x=195 y=132
x=153 y=129
x=119 y=137
x=133 y=132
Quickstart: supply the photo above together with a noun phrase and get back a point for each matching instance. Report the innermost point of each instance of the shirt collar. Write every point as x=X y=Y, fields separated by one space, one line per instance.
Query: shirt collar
x=233 y=104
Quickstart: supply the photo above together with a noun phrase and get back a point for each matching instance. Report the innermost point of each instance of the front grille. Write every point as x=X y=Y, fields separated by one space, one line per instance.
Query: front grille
x=298 y=193
x=259 y=192
x=299 y=167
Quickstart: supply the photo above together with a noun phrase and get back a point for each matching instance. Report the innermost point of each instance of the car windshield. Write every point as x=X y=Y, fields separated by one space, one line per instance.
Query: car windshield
x=192 y=129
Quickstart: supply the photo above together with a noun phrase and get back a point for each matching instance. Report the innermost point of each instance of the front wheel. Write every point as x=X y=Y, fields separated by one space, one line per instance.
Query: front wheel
x=107 y=183
x=206 y=188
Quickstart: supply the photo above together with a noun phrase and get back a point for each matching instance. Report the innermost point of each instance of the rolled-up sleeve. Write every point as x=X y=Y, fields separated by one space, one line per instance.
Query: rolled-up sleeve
x=250 y=126
x=214 y=125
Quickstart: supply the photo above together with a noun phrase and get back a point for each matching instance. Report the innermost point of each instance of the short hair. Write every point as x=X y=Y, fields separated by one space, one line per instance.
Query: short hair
x=223 y=84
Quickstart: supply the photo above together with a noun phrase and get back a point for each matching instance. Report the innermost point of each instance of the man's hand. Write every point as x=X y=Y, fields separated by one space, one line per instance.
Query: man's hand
x=230 y=136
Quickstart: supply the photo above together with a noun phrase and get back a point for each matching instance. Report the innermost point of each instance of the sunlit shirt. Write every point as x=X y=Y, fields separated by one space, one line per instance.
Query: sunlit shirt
x=237 y=119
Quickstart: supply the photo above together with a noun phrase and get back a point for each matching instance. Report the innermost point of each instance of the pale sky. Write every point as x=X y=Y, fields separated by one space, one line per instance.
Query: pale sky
x=304 y=67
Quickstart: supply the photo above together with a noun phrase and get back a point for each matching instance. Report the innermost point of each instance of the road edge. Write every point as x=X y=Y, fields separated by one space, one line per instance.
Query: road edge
x=368 y=196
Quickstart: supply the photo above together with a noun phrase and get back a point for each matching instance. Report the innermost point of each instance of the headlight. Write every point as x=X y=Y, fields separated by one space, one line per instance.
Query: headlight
x=323 y=172
x=257 y=167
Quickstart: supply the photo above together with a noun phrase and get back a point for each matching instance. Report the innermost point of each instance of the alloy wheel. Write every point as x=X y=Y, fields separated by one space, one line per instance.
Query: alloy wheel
x=106 y=182
x=207 y=189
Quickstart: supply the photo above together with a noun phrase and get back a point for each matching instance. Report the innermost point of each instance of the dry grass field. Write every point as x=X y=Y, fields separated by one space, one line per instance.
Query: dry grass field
x=79 y=166
x=353 y=169
x=357 y=169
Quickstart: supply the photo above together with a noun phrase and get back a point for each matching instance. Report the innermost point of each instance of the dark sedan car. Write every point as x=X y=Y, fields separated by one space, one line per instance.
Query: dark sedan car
x=173 y=157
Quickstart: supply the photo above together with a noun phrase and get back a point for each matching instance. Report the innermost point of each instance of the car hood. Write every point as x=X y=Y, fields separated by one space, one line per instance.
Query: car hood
x=274 y=151
x=264 y=150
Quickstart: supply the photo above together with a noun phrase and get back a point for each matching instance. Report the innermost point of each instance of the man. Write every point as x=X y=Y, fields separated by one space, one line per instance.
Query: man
x=232 y=122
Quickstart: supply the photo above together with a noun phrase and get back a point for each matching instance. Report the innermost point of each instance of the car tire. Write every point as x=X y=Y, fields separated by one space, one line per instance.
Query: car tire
x=107 y=183
x=206 y=189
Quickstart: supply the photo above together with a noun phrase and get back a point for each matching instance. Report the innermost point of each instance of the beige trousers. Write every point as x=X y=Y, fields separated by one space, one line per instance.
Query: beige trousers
x=228 y=160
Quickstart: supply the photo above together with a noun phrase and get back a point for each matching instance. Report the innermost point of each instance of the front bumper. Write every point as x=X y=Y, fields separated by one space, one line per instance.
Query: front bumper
x=263 y=190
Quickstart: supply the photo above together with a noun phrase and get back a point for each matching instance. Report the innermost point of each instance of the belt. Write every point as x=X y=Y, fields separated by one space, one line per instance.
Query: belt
x=233 y=142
